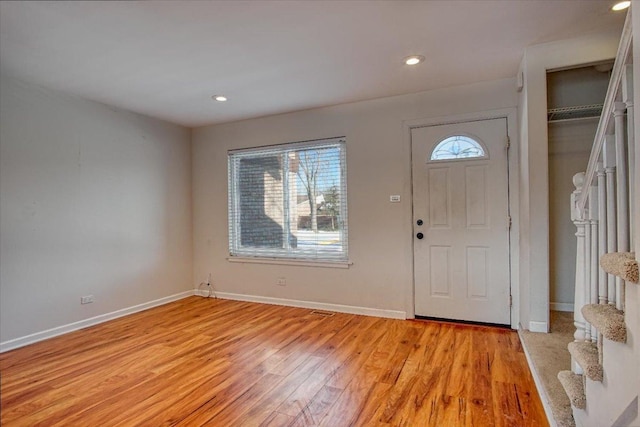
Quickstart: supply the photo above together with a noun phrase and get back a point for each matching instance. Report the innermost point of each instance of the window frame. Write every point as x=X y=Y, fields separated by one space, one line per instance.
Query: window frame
x=286 y=254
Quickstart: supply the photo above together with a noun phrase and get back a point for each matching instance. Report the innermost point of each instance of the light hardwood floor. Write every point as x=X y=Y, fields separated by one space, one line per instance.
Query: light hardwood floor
x=213 y=362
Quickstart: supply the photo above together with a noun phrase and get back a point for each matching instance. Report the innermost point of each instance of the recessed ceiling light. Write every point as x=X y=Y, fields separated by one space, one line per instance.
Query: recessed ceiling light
x=621 y=5
x=413 y=59
x=219 y=98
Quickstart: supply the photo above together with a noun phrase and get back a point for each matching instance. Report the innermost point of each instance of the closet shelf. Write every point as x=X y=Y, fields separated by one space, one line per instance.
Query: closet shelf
x=573 y=113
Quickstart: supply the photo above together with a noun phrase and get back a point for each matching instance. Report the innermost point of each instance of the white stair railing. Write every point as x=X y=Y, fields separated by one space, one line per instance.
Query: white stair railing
x=600 y=204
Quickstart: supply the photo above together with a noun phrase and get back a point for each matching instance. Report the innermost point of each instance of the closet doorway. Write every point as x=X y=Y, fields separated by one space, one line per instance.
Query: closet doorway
x=574 y=98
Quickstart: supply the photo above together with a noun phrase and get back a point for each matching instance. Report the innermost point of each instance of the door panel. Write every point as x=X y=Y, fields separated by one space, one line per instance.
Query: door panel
x=439 y=198
x=440 y=277
x=461 y=266
x=476 y=196
x=477 y=258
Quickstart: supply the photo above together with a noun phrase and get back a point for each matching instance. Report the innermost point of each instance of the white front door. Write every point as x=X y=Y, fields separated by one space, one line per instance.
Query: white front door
x=461 y=221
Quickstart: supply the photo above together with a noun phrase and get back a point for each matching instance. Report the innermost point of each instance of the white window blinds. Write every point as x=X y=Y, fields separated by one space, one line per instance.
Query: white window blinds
x=289 y=201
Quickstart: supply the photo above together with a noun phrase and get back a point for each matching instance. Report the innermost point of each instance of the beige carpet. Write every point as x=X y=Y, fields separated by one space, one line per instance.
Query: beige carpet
x=549 y=355
x=621 y=264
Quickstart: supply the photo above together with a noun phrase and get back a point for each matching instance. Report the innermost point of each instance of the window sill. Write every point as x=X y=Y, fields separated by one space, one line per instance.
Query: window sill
x=295 y=262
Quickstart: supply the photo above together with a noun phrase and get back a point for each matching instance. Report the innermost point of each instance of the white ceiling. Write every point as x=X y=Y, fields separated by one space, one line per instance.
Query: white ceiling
x=166 y=59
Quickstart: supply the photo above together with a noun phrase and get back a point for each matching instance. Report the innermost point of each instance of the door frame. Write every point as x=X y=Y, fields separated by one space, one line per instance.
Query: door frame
x=510 y=114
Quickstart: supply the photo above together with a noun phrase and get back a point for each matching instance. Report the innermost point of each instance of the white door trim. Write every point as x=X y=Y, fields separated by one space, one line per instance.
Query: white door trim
x=510 y=114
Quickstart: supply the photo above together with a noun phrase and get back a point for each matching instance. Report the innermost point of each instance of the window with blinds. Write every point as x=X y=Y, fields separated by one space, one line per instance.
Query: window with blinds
x=289 y=201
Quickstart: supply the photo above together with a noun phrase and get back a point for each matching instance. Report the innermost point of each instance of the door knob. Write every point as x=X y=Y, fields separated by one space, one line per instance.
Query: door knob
x=419 y=236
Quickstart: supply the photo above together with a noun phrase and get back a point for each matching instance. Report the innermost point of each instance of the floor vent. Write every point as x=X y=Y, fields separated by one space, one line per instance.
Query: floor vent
x=322 y=313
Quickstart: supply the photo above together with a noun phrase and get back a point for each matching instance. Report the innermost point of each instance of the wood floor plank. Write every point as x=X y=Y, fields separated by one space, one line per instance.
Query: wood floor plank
x=219 y=397
x=260 y=410
x=358 y=351
x=276 y=419
x=403 y=382
x=234 y=412
x=377 y=398
x=204 y=361
x=480 y=396
x=317 y=408
x=418 y=409
x=334 y=352
x=353 y=399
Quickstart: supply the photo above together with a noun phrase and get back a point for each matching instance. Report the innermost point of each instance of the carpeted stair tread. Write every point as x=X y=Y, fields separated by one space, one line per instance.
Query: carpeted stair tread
x=608 y=320
x=621 y=264
x=585 y=354
x=567 y=421
x=549 y=356
x=574 y=387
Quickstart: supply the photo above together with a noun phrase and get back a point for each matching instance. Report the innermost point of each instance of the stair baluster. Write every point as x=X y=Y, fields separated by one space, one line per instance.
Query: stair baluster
x=593 y=256
x=577 y=216
x=602 y=233
x=627 y=98
x=622 y=195
x=587 y=264
x=609 y=158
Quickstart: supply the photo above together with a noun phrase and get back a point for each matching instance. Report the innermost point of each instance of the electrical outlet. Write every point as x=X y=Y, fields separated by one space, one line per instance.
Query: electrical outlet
x=282 y=281
x=86 y=299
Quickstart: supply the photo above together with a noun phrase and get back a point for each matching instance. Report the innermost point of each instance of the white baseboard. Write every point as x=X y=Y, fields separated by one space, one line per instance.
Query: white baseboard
x=54 y=332
x=60 y=330
x=538 y=381
x=538 y=326
x=561 y=306
x=375 y=312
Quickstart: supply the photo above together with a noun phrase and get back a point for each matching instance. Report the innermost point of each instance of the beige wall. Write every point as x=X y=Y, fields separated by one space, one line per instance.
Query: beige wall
x=95 y=201
x=378 y=165
x=569 y=149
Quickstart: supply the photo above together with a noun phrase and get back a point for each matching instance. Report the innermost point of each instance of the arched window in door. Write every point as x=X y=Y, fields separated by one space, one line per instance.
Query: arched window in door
x=458 y=147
